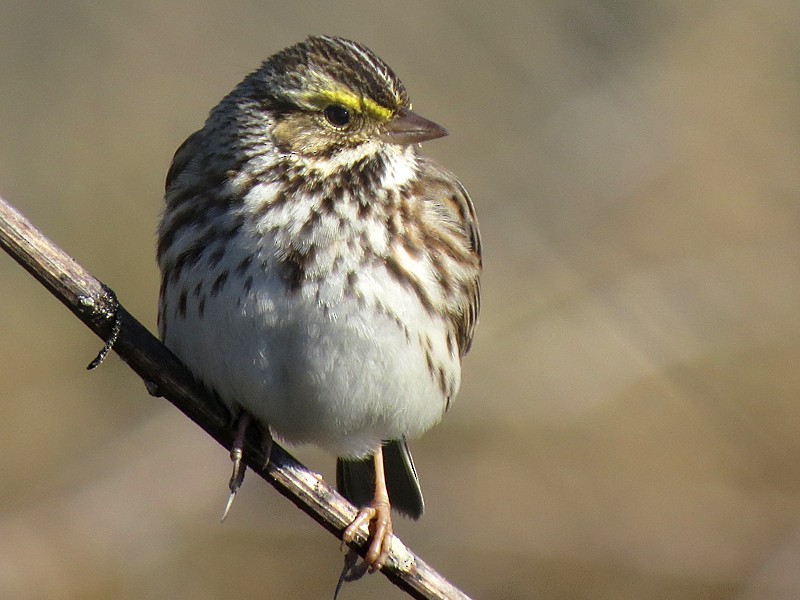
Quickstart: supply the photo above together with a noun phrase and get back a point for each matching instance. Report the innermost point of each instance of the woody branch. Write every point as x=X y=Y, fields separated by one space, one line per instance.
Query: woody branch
x=97 y=307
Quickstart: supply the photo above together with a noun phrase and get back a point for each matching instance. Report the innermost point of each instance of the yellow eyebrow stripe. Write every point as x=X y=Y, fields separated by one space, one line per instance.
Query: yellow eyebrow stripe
x=354 y=103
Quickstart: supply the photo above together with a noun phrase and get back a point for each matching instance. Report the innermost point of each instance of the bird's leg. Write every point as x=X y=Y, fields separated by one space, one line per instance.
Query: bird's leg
x=239 y=468
x=379 y=513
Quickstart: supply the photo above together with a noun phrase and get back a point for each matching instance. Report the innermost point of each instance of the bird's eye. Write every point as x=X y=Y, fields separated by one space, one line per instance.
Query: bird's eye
x=337 y=115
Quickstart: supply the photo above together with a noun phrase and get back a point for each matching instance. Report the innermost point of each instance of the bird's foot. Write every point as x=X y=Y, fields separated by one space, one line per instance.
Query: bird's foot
x=379 y=516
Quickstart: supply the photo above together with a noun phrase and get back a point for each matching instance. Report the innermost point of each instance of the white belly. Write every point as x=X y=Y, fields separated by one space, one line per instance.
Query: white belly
x=318 y=366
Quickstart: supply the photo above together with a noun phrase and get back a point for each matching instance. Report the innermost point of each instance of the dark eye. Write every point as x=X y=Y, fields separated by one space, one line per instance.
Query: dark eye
x=337 y=115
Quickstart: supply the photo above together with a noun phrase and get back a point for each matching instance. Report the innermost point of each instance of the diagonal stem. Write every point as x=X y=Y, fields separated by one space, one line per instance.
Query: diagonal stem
x=96 y=305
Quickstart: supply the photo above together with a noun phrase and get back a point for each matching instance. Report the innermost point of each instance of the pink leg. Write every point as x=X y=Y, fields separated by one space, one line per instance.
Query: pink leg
x=379 y=513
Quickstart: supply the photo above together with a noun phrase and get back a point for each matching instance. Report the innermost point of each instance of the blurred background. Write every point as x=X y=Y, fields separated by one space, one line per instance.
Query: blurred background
x=629 y=424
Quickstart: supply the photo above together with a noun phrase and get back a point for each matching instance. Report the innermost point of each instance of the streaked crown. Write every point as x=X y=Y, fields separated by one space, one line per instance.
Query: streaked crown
x=323 y=70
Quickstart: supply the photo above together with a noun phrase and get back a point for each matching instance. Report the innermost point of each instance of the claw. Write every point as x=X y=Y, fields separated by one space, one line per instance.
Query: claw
x=378 y=512
x=266 y=445
x=228 y=505
x=239 y=468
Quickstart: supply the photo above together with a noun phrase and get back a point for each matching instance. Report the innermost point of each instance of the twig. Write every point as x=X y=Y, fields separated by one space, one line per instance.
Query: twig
x=96 y=305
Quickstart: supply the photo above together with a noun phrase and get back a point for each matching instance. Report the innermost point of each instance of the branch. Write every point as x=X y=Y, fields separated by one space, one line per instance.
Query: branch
x=96 y=305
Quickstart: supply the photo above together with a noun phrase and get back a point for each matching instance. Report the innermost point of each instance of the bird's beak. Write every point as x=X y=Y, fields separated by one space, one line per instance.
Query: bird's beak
x=407 y=127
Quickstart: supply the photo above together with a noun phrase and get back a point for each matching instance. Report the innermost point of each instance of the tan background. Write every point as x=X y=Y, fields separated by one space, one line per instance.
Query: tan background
x=629 y=425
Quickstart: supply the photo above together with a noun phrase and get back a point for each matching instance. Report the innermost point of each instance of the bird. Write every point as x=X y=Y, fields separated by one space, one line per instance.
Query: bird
x=319 y=274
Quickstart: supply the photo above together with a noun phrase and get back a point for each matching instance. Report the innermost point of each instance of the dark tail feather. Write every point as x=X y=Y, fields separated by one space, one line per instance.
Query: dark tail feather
x=355 y=480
